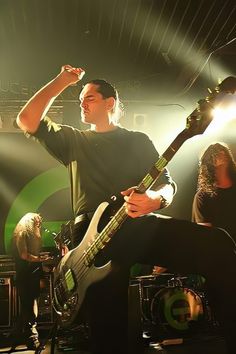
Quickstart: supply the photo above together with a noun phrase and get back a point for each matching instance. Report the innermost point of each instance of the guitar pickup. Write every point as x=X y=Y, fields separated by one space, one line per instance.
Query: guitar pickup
x=69 y=279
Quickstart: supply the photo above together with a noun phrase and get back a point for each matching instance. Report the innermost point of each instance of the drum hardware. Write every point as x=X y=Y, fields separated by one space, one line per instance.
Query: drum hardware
x=148 y=285
x=176 y=281
x=64 y=237
x=54 y=235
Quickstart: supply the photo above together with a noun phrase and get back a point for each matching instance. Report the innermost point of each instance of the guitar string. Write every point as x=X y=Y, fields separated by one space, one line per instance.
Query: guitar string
x=102 y=238
x=81 y=259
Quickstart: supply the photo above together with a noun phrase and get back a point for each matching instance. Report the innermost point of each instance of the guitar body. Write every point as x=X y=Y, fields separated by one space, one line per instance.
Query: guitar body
x=75 y=273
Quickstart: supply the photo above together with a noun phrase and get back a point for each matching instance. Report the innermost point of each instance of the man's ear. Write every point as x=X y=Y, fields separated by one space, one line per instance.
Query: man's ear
x=110 y=101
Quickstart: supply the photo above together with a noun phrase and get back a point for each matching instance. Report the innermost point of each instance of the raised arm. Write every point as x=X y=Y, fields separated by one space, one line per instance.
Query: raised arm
x=37 y=107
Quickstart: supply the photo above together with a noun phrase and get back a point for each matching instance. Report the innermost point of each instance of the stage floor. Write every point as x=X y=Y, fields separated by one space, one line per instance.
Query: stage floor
x=210 y=345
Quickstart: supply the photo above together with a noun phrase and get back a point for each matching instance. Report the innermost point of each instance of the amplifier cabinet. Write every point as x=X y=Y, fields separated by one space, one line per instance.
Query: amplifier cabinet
x=6 y=304
x=10 y=302
x=45 y=309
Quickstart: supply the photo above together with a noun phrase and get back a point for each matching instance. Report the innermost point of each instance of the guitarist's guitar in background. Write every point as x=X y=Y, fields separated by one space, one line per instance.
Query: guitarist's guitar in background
x=76 y=270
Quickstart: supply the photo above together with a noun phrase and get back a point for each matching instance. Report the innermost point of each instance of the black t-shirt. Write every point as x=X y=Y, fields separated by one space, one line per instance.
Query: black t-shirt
x=100 y=165
x=219 y=209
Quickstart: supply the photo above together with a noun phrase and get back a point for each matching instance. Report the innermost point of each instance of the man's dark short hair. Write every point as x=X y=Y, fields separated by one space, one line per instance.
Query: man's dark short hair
x=104 y=88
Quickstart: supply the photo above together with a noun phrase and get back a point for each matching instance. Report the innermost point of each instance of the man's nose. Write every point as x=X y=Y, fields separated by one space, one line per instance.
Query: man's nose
x=83 y=104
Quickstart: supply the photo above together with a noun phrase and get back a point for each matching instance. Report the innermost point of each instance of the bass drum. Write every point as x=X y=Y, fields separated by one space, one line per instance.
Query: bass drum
x=176 y=311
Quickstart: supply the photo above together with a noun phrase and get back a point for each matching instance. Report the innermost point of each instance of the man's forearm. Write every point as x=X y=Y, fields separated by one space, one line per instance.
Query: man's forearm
x=29 y=257
x=36 y=108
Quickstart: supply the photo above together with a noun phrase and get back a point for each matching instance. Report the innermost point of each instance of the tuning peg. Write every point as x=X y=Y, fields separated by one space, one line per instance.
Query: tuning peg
x=228 y=84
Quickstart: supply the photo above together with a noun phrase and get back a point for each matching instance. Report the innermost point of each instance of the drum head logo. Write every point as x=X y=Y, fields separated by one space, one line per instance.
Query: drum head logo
x=175 y=307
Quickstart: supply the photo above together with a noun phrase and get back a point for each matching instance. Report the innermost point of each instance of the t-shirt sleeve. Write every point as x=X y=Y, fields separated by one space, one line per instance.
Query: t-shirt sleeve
x=56 y=138
x=199 y=212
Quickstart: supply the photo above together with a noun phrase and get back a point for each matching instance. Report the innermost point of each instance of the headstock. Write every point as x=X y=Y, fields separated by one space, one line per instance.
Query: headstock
x=228 y=85
x=201 y=117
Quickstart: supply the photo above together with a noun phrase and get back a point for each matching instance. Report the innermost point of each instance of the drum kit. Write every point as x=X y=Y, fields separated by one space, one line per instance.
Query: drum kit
x=173 y=306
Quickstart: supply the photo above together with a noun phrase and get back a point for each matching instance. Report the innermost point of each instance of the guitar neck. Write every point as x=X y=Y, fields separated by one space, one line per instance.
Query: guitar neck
x=105 y=235
x=162 y=162
x=114 y=224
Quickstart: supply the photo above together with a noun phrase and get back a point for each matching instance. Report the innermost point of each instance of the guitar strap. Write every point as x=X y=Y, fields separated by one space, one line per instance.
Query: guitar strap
x=79 y=229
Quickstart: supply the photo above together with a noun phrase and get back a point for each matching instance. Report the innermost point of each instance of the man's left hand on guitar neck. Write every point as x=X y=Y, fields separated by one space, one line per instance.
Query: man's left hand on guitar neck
x=138 y=204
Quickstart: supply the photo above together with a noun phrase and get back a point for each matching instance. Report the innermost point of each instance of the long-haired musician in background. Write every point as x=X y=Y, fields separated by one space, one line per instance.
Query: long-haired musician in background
x=213 y=203
x=26 y=247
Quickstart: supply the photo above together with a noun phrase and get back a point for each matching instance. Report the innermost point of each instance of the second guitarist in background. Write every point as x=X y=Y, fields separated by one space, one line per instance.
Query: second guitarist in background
x=26 y=248
x=213 y=203
x=102 y=162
